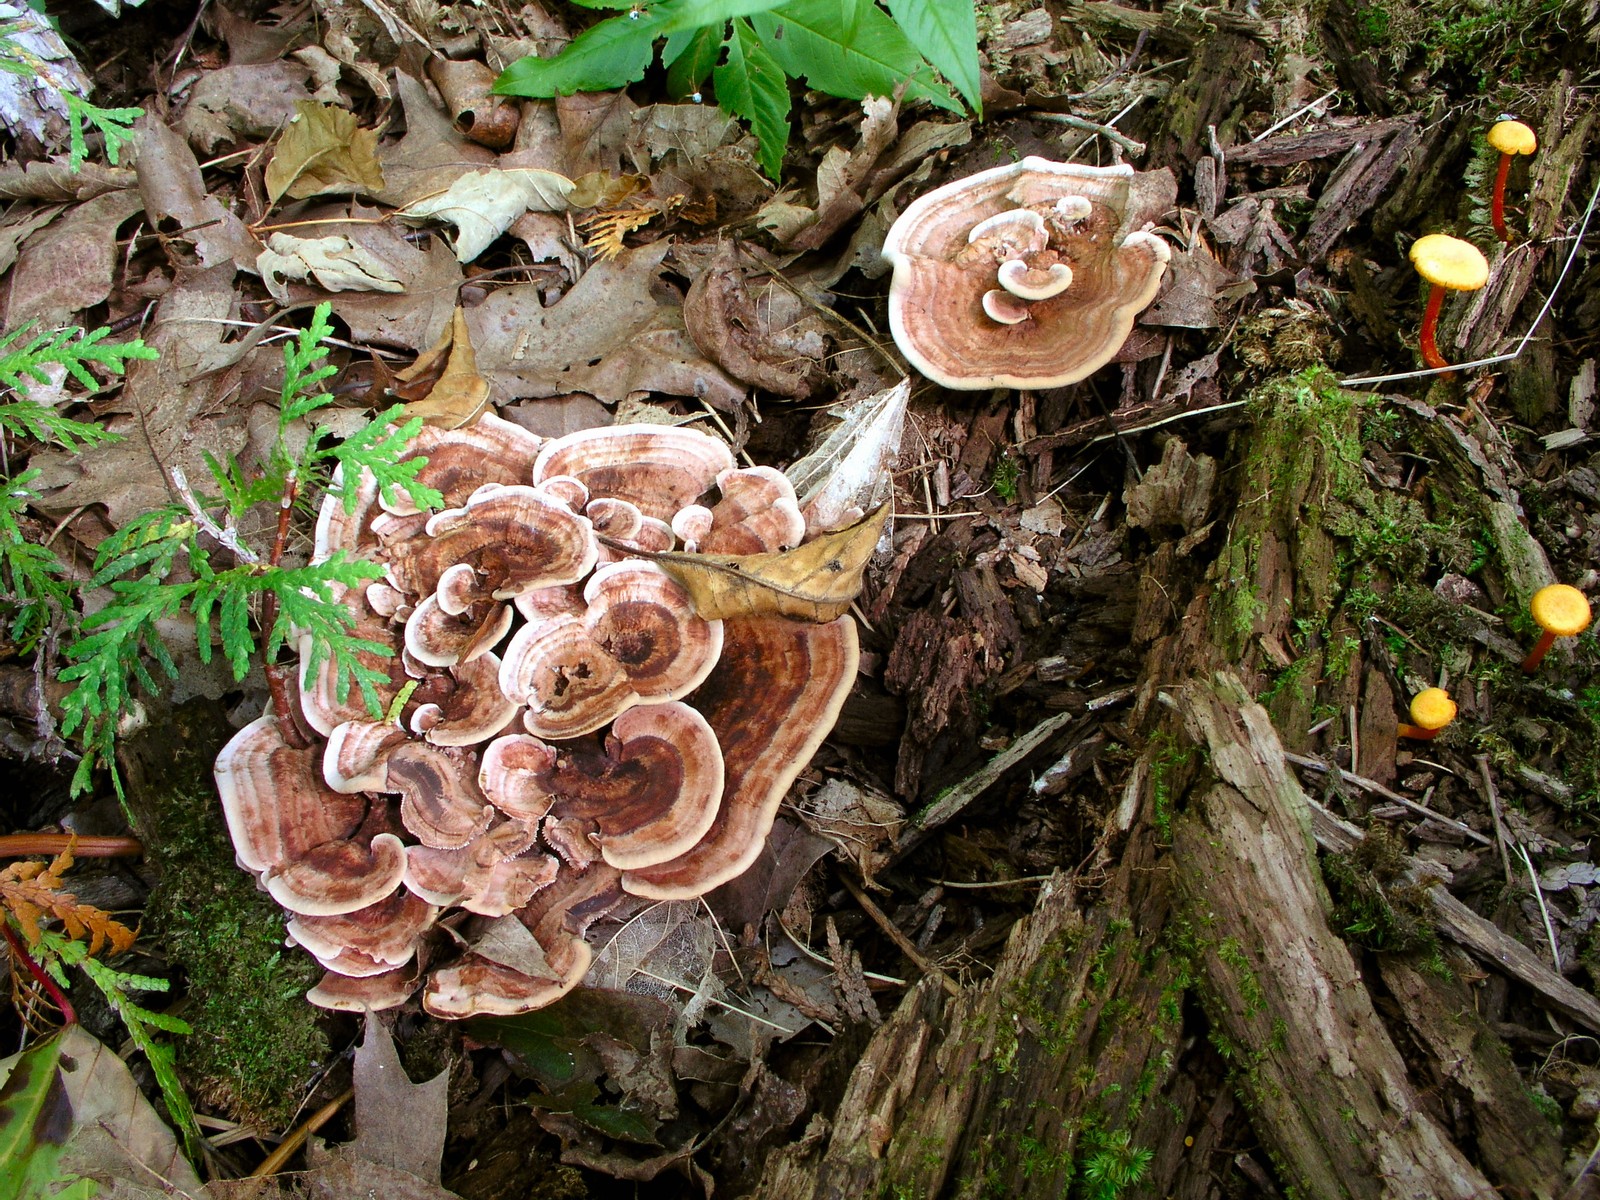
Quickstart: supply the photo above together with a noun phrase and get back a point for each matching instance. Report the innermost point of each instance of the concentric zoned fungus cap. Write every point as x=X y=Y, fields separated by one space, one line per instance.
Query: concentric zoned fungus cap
x=658 y=468
x=460 y=461
x=1020 y=276
x=771 y=700
x=515 y=538
x=370 y=940
x=492 y=875
x=757 y=514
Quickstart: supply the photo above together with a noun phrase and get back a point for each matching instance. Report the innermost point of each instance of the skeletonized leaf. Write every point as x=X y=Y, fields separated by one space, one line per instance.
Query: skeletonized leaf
x=483 y=205
x=336 y=263
x=847 y=472
x=813 y=582
x=323 y=149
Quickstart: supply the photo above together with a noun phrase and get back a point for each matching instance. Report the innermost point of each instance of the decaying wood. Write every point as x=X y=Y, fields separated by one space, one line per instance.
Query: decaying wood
x=1327 y=1087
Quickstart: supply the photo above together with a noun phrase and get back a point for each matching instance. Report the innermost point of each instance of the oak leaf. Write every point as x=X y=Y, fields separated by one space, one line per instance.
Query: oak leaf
x=813 y=582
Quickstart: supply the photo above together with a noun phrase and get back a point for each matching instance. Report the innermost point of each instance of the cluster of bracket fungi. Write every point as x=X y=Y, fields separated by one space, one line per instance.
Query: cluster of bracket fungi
x=566 y=731
x=1021 y=276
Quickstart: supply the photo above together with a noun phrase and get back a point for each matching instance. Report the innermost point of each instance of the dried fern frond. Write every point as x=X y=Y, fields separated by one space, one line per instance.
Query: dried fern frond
x=603 y=231
x=31 y=891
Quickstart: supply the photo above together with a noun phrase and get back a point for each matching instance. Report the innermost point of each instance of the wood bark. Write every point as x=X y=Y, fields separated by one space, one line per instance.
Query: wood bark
x=1184 y=989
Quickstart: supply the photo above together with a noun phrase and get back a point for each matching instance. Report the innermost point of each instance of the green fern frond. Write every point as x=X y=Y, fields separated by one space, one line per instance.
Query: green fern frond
x=32 y=579
x=71 y=347
x=377 y=447
x=115 y=985
x=116 y=124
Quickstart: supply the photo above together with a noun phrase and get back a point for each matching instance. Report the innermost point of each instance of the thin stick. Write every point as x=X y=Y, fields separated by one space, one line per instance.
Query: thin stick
x=20 y=845
x=1538 y=894
x=1494 y=808
x=828 y=962
x=1373 y=786
x=906 y=945
x=69 y=1015
x=1105 y=131
x=994 y=883
x=273 y=1163
x=733 y=1008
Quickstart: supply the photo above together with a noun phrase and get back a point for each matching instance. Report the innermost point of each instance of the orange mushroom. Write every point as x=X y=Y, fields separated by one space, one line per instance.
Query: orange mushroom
x=1431 y=710
x=1561 y=610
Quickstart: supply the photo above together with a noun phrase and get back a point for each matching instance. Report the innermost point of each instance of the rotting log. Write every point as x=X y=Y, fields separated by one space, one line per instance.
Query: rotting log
x=1191 y=964
x=1325 y=1083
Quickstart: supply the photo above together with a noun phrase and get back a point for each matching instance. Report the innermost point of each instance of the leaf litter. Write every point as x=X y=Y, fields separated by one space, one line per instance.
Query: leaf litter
x=590 y=265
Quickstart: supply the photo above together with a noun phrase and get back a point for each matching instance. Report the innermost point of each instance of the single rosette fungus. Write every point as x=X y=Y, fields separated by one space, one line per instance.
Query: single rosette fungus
x=1449 y=265
x=1431 y=710
x=1510 y=138
x=560 y=727
x=1560 y=610
x=1021 y=276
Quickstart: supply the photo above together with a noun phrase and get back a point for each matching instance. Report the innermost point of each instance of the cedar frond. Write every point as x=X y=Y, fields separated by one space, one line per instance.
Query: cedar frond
x=32 y=891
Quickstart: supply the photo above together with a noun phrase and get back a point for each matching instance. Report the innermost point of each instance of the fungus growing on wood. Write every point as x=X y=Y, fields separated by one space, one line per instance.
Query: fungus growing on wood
x=1560 y=610
x=1448 y=264
x=1510 y=138
x=1431 y=710
x=656 y=750
x=1020 y=276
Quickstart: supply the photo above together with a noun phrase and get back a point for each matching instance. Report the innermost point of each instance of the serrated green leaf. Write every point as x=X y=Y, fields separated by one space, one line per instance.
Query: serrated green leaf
x=613 y=53
x=689 y=57
x=803 y=36
x=945 y=32
x=751 y=84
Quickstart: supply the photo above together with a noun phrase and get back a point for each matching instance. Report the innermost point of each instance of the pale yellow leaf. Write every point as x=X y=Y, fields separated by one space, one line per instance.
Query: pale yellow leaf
x=323 y=149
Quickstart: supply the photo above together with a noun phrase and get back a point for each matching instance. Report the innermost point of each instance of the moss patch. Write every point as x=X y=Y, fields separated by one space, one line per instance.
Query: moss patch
x=256 y=1041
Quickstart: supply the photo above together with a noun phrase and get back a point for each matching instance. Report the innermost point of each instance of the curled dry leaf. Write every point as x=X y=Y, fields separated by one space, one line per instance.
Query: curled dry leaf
x=323 y=149
x=483 y=205
x=814 y=582
x=459 y=394
x=336 y=263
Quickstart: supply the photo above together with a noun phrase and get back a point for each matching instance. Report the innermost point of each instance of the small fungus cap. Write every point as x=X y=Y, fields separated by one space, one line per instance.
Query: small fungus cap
x=1449 y=262
x=1560 y=609
x=1432 y=708
x=1512 y=137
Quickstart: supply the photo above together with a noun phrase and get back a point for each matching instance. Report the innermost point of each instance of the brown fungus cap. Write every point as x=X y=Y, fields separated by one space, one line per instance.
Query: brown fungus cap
x=1449 y=262
x=440 y=804
x=515 y=538
x=370 y=940
x=569 y=683
x=274 y=799
x=659 y=468
x=340 y=876
x=492 y=875
x=437 y=638
x=370 y=993
x=948 y=249
x=771 y=700
x=646 y=622
x=757 y=514
x=460 y=461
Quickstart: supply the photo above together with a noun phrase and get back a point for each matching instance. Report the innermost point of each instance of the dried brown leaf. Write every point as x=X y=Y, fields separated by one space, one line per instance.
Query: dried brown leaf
x=814 y=582
x=323 y=149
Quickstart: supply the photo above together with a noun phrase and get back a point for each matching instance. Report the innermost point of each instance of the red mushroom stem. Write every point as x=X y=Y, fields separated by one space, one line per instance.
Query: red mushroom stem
x=1497 y=206
x=1540 y=648
x=19 y=952
x=1430 y=321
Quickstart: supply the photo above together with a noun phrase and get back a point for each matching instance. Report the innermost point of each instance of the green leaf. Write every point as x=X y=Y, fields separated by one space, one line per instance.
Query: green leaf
x=946 y=34
x=613 y=53
x=35 y=1121
x=689 y=58
x=752 y=85
x=803 y=36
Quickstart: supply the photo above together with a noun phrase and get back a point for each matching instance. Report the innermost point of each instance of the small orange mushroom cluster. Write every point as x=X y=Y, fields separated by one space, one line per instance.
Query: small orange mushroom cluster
x=568 y=730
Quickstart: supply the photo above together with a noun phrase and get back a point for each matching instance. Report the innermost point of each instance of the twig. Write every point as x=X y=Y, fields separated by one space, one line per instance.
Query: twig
x=994 y=883
x=20 y=845
x=285 y=704
x=1294 y=116
x=828 y=962
x=69 y=1015
x=1538 y=894
x=1494 y=808
x=906 y=945
x=226 y=536
x=273 y=1163
x=1373 y=786
x=1105 y=131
